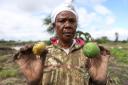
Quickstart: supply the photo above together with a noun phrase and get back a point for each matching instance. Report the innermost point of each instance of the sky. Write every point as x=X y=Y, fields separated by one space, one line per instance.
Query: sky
x=23 y=19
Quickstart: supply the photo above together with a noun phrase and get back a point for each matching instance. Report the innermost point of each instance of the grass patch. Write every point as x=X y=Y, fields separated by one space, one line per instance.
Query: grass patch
x=4 y=73
x=120 y=54
x=3 y=58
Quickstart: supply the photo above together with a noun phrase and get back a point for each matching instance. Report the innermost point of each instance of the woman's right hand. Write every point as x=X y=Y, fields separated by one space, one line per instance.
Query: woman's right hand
x=30 y=65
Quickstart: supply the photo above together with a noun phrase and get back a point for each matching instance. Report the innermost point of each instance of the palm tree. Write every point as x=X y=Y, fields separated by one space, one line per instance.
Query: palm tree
x=116 y=36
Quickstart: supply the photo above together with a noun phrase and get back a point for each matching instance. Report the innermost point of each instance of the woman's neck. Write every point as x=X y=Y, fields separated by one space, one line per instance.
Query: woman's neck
x=65 y=44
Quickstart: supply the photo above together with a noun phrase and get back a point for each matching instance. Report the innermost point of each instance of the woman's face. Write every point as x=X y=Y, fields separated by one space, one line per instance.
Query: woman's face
x=65 y=25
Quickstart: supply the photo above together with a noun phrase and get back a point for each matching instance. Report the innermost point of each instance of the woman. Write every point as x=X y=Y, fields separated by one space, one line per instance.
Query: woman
x=63 y=63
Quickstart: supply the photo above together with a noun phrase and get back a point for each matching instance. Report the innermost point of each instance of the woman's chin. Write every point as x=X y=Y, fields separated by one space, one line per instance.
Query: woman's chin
x=67 y=37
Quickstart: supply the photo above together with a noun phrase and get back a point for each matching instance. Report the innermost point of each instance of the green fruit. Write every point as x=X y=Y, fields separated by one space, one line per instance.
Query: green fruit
x=91 y=50
x=38 y=48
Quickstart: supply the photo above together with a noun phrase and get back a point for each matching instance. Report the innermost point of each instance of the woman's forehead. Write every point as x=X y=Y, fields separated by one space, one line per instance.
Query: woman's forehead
x=64 y=14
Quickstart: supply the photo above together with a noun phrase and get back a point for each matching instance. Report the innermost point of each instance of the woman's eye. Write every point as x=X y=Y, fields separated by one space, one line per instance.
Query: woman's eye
x=72 y=20
x=61 y=20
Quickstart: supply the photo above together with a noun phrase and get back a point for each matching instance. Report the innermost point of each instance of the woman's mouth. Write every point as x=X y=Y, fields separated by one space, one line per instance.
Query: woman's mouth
x=67 y=33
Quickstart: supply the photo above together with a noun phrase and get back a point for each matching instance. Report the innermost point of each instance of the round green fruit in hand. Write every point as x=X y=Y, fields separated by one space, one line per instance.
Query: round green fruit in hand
x=38 y=48
x=91 y=50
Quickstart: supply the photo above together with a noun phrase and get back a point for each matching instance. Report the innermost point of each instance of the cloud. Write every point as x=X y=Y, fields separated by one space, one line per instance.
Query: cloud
x=110 y=20
x=89 y=3
x=97 y=1
x=22 y=19
x=37 y=5
x=30 y=5
x=100 y=9
x=92 y=20
x=100 y=24
x=99 y=21
x=20 y=26
x=85 y=18
x=123 y=33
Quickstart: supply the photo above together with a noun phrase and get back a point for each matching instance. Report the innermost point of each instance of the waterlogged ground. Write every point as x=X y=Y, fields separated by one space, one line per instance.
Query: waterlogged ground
x=118 y=66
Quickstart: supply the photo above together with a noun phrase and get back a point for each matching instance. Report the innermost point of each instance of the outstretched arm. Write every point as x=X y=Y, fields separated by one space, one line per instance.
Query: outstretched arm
x=97 y=67
x=30 y=65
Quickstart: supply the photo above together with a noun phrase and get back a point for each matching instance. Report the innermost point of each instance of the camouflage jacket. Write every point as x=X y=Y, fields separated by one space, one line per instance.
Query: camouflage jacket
x=65 y=69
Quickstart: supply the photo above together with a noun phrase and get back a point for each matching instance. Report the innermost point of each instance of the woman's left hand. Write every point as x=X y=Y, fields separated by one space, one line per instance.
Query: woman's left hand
x=98 y=65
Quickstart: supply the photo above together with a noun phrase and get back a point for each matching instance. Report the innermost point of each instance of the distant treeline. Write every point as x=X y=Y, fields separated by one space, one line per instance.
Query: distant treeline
x=13 y=42
x=105 y=39
x=101 y=40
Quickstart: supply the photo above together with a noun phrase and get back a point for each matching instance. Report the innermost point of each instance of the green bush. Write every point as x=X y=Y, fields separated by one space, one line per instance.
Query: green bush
x=102 y=40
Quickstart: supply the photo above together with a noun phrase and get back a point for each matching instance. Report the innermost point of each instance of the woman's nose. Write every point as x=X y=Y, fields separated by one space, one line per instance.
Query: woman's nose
x=67 y=24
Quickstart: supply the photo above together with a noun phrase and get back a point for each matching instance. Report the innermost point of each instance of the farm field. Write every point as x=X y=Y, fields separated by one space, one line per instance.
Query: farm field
x=118 y=65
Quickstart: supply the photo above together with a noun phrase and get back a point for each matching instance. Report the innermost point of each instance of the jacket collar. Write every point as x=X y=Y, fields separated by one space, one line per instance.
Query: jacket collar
x=78 y=43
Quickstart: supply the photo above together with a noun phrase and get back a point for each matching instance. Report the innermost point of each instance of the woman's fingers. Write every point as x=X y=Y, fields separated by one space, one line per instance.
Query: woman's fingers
x=26 y=49
x=104 y=51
